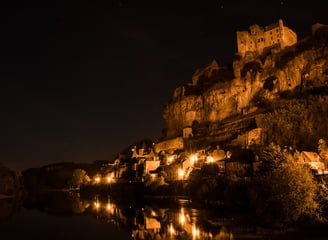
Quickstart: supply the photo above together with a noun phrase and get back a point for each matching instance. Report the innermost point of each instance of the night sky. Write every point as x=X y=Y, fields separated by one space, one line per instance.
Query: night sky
x=82 y=80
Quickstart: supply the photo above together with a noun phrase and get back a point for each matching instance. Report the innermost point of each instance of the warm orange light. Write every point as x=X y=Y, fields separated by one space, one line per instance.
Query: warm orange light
x=193 y=159
x=153 y=213
x=97 y=179
x=108 y=206
x=109 y=179
x=180 y=173
x=171 y=229
x=210 y=159
x=170 y=159
x=182 y=218
x=97 y=205
x=195 y=231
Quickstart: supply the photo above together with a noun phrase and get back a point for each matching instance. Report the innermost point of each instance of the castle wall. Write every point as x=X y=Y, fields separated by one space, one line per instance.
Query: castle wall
x=289 y=37
x=258 y=39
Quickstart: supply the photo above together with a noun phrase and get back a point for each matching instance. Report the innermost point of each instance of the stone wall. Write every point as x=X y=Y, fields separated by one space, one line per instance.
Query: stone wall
x=171 y=144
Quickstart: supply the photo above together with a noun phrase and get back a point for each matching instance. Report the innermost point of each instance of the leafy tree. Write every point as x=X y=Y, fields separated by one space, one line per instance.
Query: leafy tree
x=77 y=205
x=298 y=123
x=79 y=177
x=287 y=191
x=323 y=151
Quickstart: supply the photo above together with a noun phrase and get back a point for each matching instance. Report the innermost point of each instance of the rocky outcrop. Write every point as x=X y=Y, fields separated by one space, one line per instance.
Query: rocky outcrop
x=248 y=87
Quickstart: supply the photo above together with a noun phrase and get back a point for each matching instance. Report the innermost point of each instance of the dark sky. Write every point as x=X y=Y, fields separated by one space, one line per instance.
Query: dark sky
x=82 y=80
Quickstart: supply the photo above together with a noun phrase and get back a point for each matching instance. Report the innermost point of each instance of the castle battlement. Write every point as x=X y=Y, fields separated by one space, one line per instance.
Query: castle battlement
x=258 y=38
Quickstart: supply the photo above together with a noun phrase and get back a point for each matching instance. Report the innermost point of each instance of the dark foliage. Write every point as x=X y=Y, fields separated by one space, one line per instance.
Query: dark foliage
x=269 y=83
x=321 y=35
x=286 y=192
x=253 y=67
x=298 y=123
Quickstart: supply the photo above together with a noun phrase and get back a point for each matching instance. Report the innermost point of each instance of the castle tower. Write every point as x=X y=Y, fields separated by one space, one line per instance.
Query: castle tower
x=257 y=39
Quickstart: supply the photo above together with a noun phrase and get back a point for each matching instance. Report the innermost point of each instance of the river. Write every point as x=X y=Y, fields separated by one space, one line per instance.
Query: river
x=60 y=215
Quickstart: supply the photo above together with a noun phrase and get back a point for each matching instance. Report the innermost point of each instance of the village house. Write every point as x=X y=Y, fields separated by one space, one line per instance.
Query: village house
x=313 y=160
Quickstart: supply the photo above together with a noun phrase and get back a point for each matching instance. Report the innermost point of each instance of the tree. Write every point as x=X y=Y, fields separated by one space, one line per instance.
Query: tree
x=79 y=177
x=323 y=151
x=299 y=123
x=287 y=191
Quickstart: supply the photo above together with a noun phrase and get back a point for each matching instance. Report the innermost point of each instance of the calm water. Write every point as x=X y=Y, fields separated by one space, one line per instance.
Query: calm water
x=58 y=215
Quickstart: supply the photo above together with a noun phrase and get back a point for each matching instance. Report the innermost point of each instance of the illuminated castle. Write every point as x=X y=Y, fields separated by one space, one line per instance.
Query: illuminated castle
x=258 y=39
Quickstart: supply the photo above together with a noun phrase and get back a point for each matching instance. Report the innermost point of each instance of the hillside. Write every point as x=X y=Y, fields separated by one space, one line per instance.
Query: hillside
x=222 y=103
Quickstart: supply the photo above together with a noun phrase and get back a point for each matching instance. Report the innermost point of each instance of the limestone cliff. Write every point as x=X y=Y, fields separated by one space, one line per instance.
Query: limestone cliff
x=239 y=91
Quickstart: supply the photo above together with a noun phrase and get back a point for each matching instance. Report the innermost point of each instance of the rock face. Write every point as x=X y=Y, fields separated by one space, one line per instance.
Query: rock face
x=218 y=94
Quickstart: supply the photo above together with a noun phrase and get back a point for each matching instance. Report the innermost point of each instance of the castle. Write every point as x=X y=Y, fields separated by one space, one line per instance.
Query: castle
x=259 y=39
x=214 y=118
x=221 y=102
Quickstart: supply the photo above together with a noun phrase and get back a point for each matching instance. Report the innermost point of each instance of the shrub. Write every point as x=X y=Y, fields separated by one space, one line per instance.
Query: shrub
x=298 y=123
x=286 y=192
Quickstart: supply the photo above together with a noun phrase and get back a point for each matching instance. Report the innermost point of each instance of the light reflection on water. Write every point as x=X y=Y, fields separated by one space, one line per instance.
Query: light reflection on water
x=152 y=222
x=143 y=221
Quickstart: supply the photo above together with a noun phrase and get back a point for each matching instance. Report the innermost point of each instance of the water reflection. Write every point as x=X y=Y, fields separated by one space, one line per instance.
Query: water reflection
x=11 y=206
x=151 y=222
x=8 y=208
x=145 y=220
x=127 y=219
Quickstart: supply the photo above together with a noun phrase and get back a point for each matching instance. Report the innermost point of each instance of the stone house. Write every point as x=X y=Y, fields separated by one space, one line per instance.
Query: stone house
x=313 y=160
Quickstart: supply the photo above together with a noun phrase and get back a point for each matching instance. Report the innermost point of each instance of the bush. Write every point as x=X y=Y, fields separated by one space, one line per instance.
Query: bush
x=298 y=123
x=286 y=192
x=79 y=177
